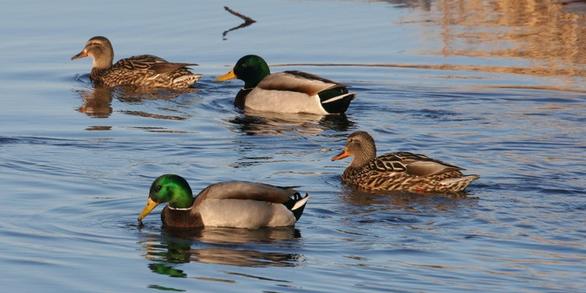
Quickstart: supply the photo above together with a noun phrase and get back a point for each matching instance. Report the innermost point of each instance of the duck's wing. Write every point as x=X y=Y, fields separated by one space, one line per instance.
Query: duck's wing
x=412 y=164
x=296 y=81
x=170 y=67
x=247 y=191
x=152 y=63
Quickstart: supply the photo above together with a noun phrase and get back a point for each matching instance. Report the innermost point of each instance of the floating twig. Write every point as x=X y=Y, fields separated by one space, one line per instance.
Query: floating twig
x=247 y=21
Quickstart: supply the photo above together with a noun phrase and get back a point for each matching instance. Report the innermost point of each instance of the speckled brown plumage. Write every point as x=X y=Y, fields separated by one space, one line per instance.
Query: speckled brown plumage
x=138 y=71
x=399 y=171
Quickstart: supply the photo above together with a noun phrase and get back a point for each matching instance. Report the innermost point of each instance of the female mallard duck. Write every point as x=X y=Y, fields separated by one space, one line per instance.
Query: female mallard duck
x=399 y=171
x=235 y=204
x=286 y=92
x=137 y=71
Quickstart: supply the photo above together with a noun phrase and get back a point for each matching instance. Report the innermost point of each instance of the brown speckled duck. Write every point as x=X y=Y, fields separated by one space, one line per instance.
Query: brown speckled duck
x=233 y=204
x=145 y=71
x=399 y=171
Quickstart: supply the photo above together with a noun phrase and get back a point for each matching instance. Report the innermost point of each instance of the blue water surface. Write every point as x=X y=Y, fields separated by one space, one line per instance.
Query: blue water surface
x=493 y=86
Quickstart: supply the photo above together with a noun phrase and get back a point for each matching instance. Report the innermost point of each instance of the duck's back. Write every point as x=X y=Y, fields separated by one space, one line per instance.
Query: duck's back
x=148 y=71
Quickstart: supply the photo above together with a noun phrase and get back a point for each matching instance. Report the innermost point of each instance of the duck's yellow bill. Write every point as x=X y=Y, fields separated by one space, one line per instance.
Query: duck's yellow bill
x=229 y=75
x=150 y=205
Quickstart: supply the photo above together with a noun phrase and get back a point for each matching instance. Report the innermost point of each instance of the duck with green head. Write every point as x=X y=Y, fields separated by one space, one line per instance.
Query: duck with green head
x=234 y=204
x=286 y=92
x=144 y=71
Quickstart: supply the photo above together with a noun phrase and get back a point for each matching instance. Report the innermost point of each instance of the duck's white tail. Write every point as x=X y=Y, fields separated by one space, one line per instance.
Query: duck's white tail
x=335 y=100
x=300 y=203
x=299 y=206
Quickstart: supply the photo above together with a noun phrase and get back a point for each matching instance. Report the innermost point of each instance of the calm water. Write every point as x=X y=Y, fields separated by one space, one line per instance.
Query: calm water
x=497 y=87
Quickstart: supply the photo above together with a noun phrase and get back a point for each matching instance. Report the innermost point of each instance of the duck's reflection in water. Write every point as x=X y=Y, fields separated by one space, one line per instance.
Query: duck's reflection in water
x=138 y=95
x=225 y=246
x=403 y=200
x=256 y=123
x=97 y=102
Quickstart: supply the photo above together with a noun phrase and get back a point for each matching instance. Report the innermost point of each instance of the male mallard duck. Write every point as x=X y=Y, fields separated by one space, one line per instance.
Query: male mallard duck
x=286 y=92
x=399 y=171
x=137 y=71
x=235 y=204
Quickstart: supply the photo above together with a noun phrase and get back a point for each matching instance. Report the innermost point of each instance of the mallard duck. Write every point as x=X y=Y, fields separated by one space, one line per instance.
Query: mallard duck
x=399 y=171
x=286 y=92
x=234 y=204
x=137 y=71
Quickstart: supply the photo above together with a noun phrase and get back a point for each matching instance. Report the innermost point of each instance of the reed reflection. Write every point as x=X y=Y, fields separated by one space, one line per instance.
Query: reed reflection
x=226 y=246
x=279 y=123
x=543 y=32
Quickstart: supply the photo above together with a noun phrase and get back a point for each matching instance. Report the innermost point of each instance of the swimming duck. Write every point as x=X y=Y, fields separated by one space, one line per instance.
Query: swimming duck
x=137 y=71
x=234 y=204
x=286 y=92
x=399 y=171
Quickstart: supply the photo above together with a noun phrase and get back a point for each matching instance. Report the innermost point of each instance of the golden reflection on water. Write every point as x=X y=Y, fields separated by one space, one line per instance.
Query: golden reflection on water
x=544 y=32
x=532 y=37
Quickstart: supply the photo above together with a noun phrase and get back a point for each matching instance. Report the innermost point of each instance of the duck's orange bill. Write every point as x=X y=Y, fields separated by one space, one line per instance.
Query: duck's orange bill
x=81 y=54
x=150 y=205
x=229 y=75
x=342 y=155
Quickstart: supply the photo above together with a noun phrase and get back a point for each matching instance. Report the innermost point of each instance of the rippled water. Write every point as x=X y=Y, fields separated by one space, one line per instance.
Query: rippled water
x=494 y=86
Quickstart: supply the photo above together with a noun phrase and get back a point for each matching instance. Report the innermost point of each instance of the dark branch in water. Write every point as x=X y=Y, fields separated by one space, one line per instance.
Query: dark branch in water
x=247 y=21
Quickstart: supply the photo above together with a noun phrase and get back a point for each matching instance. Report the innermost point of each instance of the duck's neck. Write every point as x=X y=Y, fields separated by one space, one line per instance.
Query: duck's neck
x=253 y=80
x=103 y=61
x=182 y=199
x=363 y=157
x=101 y=64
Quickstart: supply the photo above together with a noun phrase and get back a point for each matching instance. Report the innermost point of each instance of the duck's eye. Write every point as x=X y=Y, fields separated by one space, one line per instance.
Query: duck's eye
x=158 y=188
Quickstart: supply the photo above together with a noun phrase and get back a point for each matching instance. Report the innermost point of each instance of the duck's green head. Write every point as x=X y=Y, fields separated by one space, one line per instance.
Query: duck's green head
x=251 y=69
x=169 y=188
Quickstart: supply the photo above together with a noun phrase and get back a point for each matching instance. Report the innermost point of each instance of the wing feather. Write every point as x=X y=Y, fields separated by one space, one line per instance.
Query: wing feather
x=412 y=164
x=247 y=190
x=296 y=81
x=150 y=62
